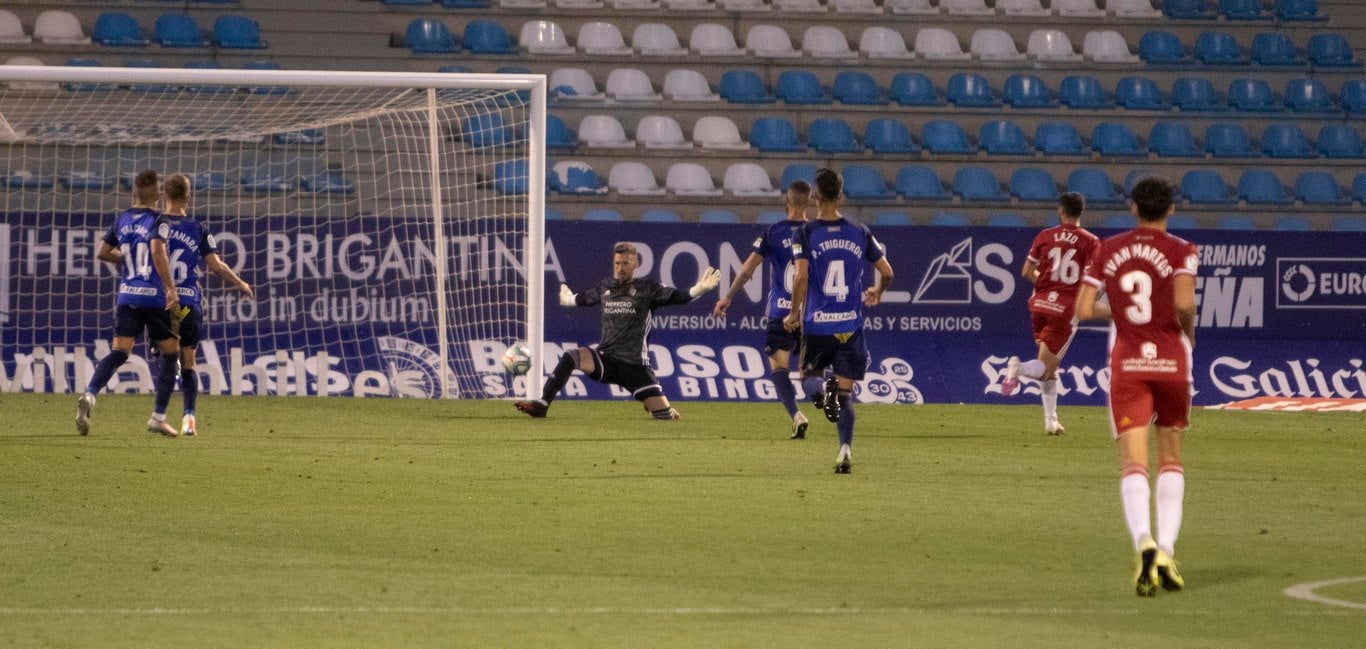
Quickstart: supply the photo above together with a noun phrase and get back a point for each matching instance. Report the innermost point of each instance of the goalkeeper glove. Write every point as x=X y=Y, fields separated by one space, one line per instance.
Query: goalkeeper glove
x=567 y=297
x=709 y=280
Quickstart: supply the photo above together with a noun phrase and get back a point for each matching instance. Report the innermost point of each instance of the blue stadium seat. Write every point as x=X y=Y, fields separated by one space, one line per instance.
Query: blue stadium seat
x=1162 y=48
x=118 y=29
x=1253 y=95
x=552 y=214
x=1084 y=92
x=858 y=88
x=889 y=136
x=1205 y=187
x=327 y=182
x=1359 y=188
x=1286 y=141
x=237 y=33
x=1173 y=140
x=1188 y=9
x=1115 y=139
x=1330 y=50
x=864 y=182
x=308 y=136
x=802 y=171
x=1229 y=141
x=921 y=183
x=1292 y=224
x=1058 y=138
x=267 y=180
x=1262 y=187
x=969 y=90
x=427 y=36
x=775 y=134
x=891 y=219
x=602 y=214
x=1235 y=222
x=1005 y=221
x=1320 y=188
x=557 y=135
x=944 y=136
x=1348 y=224
x=1028 y=91
x=1131 y=179
x=1033 y=184
x=146 y=87
x=1354 y=96
x=744 y=87
x=465 y=4
x=1139 y=93
x=1191 y=94
x=1308 y=96
x=511 y=176
x=1094 y=185
x=977 y=184
x=455 y=68
x=488 y=37
x=914 y=89
x=1338 y=141
x=178 y=30
x=25 y=179
x=832 y=135
x=718 y=216
x=1119 y=221
x=1218 y=48
x=85 y=181
x=1183 y=222
x=207 y=181
x=949 y=219
x=264 y=64
x=801 y=87
x=1003 y=137
x=1242 y=10
x=768 y=217
x=1299 y=10
x=1275 y=48
x=577 y=179
x=482 y=130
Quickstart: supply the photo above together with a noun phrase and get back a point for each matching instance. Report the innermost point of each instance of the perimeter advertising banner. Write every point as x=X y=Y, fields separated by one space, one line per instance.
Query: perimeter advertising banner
x=1280 y=313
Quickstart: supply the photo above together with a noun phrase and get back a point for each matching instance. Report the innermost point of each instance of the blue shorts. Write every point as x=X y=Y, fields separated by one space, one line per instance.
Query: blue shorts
x=191 y=328
x=130 y=321
x=848 y=358
x=778 y=339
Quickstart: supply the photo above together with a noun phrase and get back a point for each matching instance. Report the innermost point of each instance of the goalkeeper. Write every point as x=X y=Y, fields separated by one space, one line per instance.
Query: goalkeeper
x=620 y=358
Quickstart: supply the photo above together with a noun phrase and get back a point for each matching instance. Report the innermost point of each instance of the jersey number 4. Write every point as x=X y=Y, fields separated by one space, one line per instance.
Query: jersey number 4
x=138 y=261
x=835 y=285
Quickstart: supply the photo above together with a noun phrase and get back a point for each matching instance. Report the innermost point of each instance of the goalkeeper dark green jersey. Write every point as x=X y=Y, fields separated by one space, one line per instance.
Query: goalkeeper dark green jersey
x=626 y=310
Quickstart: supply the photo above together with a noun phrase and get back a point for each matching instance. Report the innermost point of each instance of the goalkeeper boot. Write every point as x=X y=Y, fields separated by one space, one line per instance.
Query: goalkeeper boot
x=799 y=424
x=1167 y=575
x=187 y=426
x=1145 y=579
x=1012 y=381
x=161 y=427
x=83 y=407
x=534 y=409
x=832 y=400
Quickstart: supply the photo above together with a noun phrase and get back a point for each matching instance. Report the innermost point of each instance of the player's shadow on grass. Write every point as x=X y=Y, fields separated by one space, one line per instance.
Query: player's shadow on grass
x=1225 y=575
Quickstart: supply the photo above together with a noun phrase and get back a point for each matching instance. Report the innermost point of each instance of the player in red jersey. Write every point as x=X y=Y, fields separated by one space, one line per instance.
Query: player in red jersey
x=1055 y=263
x=1149 y=276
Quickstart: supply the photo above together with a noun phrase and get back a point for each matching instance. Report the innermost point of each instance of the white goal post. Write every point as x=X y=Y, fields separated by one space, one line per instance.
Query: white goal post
x=392 y=224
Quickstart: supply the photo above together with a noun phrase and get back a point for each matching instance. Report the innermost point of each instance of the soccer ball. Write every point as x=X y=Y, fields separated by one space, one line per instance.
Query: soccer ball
x=517 y=359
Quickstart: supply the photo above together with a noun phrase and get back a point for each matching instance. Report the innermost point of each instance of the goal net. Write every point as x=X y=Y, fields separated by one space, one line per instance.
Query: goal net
x=385 y=220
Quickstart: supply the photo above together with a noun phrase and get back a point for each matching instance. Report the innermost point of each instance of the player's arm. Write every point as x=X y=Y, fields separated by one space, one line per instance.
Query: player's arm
x=216 y=266
x=800 y=271
x=586 y=298
x=746 y=272
x=873 y=294
x=1184 y=286
x=1088 y=306
x=161 y=260
x=1030 y=271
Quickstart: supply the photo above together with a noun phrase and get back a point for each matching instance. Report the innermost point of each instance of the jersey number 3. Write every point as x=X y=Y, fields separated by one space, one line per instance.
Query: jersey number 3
x=1139 y=286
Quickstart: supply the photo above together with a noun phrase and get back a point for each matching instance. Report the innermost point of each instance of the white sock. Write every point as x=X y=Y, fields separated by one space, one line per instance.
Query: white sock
x=1050 y=401
x=90 y=397
x=1032 y=369
x=846 y=453
x=1134 y=488
x=1171 y=490
x=158 y=416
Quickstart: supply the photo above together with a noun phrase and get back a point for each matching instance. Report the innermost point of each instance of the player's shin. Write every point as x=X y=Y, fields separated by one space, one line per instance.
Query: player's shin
x=189 y=388
x=105 y=369
x=164 y=381
x=1050 y=402
x=1137 y=497
x=814 y=386
x=568 y=362
x=845 y=426
x=1171 y=491
x=787 y=393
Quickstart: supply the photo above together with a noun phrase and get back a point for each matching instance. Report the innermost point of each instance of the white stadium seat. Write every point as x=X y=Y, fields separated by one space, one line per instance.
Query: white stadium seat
x=748 y=179
x=1051 y=45
x=630 y=84
x=715 y=132
x=603 y=132
x=59 y=27
x=690 y=179
x=884 y=43
x=11 y=30
x=661 y=132
x=633 y=179
x=600 y=38
x=913 y=7
x=824 y=42
x=1133 y=8
x=799 y=6
x=770 y=41
x=939 y=44
x=966 y=7
x=544 y=37
x=1022 y=8
x=713 y=39
x=1107 y=47
x=995 y=45
x=656 y=39
x=855 y=7
x=580 y=84
x=29 y=85
x=688 y=85
x=1078 y=8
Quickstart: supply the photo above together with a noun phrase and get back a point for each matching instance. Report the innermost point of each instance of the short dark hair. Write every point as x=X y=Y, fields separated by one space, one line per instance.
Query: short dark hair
x=177 y=188
x=145 y=178
x=1072 y=204
x=624 y=249
x=1152 y=197
x=799 y=193
x=829 y=185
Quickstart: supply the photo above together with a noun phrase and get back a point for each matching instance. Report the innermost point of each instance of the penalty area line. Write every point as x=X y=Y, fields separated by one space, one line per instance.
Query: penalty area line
x=609 y=611
x=1306 y=592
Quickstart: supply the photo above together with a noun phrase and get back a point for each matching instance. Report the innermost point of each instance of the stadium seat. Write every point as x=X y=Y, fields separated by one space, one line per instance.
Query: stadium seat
x=1205 y=187
x=1005 y=221
x=573 y=177
x=241 y=33
x=717 y=132
x=1325 y=50
x=1028 y=8
x=1235 y=222
x=661 y=132
x=744 y=87
x=832 y=135
x=1299 y=10
x=656 y=39
x=112 y=28
x=1188 y=9
x=857 y=87
x=1119 y=221
x=28 y=85
x=423 y=36
x=743 y=5
x=1173 y=140
x=1286 y=141
x=660 y=216
x=57 y=27
x=85 y=180
x=971 y=90
x=864 y=182
x=1094 y=185
x=770 y=41
x=1033 y=184
x=801 y=87
x=1218 y=48
x=1291 y=224
x=825 y=42
x=317 y=137
x=916 y=89
x=889 y=136
x=939 y=44
x=713 y=39
x=633 y=179
x=180 y=30
x=1354 y=96
x=1348 y=224
x=1191 y=94
x=949 y=220
x=891 y=219
x=686 y=85
x=573 y=84
x=630 y=85
x=769 y=217
x=27 y=179
x=718 y=216
x=1003 y=137
x=855 y=7
x=1115 y=139
x=748 y=179
x=966 y=7
x=1182 y=222
x=446 y=4
x=995 y=45
x=944 y=136
x=1028 y=91
x=1275 y=48
x=1242 y=10
x=1078 y=9
x=1107 y=46
x=802 y=171
x=161 y=87
x=544 y=37
x=1084 y=92
x=602 y=214
x=1262 y=187
x=1139 y=93
x=1058 y=138
x=455 y=68
x=601 y=39
x=1133 y=8
x=1228 y=141
x=1338 y=141
x=879 y=42
x=920 y=183
x=1320 y=188
x=977 y=184
x=1253 y=95
x=12 y=29
x=557 y=135
x=1051 y=45
x=481 y=130
x=1162 y=48
x=509 y=176
x=82 y=62
x=266 y=179
x=911 y=7
x=774 y=135
x=328 y=181
x=487 y=37
x=1308 y=96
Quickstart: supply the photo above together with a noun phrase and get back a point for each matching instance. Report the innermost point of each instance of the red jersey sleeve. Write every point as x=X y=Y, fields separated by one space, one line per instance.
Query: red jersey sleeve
x=1036 y=249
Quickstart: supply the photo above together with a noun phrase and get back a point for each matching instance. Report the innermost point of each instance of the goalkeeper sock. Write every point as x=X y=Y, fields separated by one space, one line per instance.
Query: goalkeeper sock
x=569 y=361
x=105 y=369
x=782 y=384
x=846 y=422
x=189 y=388
x=164 y=382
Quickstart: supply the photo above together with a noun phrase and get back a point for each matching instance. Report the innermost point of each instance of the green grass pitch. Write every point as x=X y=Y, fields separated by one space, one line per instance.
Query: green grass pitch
x=392 y=523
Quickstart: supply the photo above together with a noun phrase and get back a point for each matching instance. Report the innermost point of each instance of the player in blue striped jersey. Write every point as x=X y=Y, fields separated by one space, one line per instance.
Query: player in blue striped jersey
x=189 y=244
x=776 y=246
x=830 y=256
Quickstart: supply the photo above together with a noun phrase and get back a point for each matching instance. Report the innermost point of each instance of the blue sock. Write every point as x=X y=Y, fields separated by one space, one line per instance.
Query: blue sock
x=813 y=385
x=846 y=422
x=782 y=384
x=104 y=370
x=189 y=388
x=164 y=382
